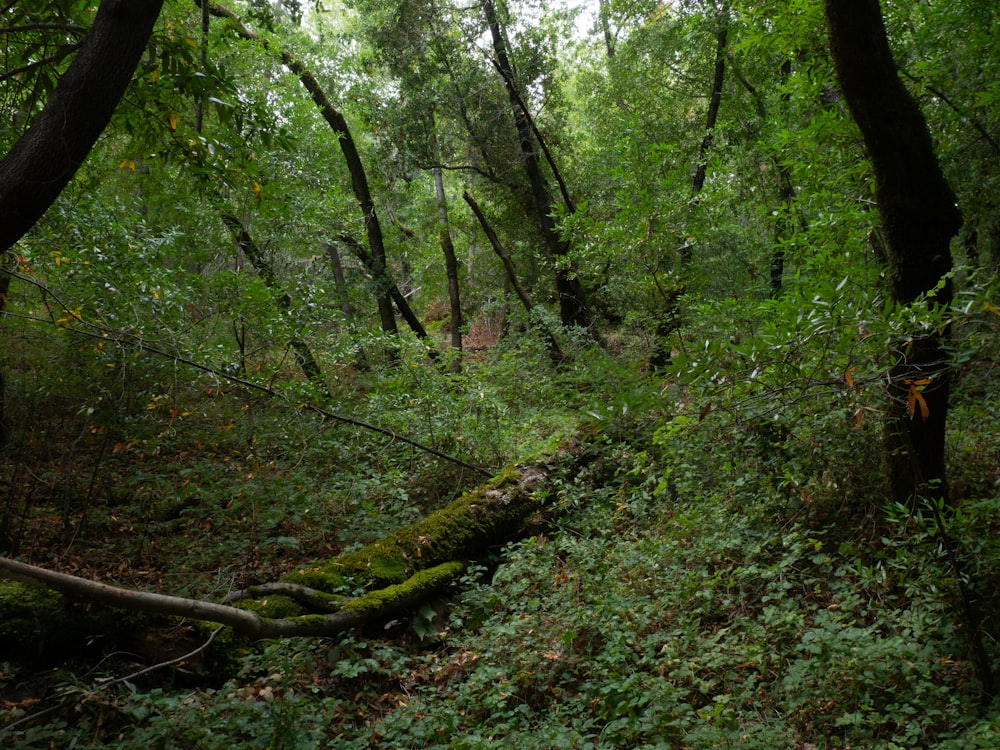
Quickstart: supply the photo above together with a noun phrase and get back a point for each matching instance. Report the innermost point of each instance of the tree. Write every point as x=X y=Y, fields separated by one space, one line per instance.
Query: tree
x=46 y=157
x=920 y=217
x=573 y=307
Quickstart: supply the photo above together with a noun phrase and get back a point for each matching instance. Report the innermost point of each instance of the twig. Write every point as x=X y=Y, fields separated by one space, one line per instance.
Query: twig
x=146 y=670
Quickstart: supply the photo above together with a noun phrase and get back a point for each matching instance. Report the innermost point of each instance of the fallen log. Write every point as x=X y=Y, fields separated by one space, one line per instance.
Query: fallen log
x=374 y=584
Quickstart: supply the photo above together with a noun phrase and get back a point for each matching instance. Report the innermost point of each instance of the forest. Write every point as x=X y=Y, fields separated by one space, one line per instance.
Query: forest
x=499 y=374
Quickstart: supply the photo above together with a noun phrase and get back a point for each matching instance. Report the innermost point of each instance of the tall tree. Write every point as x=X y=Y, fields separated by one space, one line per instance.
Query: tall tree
x=573 y=307
x=920 y=217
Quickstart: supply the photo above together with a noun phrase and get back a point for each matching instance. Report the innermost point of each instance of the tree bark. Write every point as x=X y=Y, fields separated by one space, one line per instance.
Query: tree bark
x=395 y=296
x=43 y=161
x=339 y=280
x=498 y=248
x=573 y=307
x=450 y=268
x=714 y=101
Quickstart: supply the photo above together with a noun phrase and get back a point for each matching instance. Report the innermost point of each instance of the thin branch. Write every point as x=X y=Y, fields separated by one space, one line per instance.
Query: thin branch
x=956 y=109
x=72 y=28
x=367 y=608
x=63 y=52
x=104 y=686
x=121 y=337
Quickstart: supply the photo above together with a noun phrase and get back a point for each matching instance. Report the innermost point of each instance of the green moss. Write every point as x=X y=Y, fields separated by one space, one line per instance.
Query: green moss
x=463 y=529
x=274 y=607
x=319 y=578
x=36 y=623
x=422 y=581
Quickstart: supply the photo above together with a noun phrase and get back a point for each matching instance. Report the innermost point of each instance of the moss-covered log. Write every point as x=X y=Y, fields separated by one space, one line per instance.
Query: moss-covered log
x=395 y=573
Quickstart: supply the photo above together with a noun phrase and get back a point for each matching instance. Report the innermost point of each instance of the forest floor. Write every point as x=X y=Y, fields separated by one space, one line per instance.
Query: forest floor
x=699 y=583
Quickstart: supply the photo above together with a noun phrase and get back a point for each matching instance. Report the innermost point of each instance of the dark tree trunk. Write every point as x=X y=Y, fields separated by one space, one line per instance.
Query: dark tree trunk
x=339 y=280
x=46 y=157
x=786 y=193
x=498 y=248
x=572 y=299
x=786 y=190
x=711 y=117
x=450 y=268
x=715 y=100
x=920 y=217
x=303 y=352
x=396 y=296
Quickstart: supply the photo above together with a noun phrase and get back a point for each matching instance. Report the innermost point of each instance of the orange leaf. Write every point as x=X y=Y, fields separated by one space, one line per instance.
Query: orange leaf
x=705 y=410
x=848 y=376
x=173 y=121
x=914 y=399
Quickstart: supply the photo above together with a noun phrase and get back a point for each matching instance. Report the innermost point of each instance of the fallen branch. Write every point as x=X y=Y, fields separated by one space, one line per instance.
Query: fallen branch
x=373 y=607
x=396 y=573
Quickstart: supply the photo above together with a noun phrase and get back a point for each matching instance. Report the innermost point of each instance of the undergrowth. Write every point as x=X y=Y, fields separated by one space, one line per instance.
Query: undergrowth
x=713 y=576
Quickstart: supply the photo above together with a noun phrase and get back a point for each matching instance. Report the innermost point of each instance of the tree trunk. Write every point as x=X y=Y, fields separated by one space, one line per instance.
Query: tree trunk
x=715 y=100
x=572 y=299
x=711 y=118
x=508 y=266
x=43 y=161
x=786 y=193
x=920 y=218
x=450 y=268
x=339 y=280
x=395 y=295
x=498 y=248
